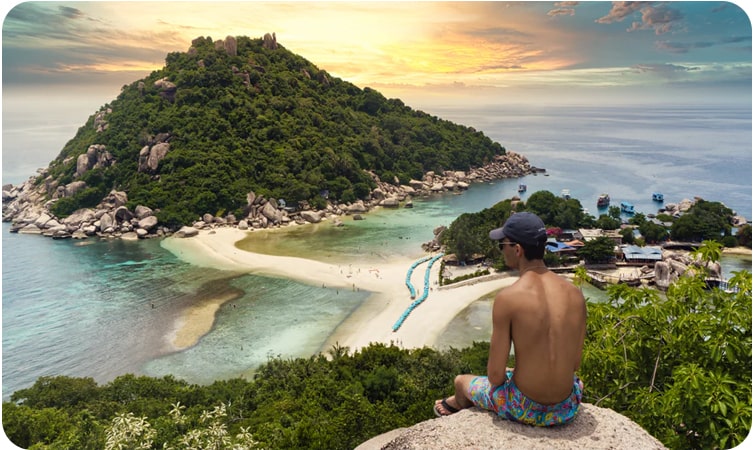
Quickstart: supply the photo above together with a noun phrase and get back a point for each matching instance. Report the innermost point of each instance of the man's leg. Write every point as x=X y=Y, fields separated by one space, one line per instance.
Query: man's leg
x=461 y=398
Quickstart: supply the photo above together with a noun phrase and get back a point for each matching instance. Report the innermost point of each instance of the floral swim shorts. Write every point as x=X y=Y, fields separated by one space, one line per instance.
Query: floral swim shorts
x=509 y=403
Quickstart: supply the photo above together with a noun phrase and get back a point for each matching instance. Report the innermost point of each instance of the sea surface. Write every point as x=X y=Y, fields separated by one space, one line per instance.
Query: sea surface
x=102 y=308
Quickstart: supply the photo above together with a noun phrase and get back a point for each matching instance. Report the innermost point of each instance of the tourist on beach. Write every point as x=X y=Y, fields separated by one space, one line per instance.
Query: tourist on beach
x=544 y=317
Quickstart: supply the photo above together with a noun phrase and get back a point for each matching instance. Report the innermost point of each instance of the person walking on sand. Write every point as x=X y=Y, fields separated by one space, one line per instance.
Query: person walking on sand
x=541 y=315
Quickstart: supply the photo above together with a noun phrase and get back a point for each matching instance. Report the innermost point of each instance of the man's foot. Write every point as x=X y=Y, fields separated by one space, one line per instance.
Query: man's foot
x=444 y=408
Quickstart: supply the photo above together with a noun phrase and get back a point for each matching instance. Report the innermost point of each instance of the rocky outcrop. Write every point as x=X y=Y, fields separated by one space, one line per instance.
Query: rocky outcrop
x=100 y=119
x=270 y=41
x=96 y=157
x=27 y=207
x=167 y=89
x=152 y=153
x=678 y=264
x=30 y=214
x=593 y=428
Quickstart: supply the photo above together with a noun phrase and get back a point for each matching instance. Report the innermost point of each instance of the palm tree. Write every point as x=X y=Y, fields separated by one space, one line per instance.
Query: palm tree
x=709 y=251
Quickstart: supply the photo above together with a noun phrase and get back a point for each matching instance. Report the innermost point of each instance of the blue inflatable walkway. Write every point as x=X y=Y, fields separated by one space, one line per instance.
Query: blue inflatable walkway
x=425 y=293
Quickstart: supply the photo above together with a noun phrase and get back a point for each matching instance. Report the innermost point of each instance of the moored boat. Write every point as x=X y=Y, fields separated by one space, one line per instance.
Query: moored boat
x=522 y=188
x=627 y=208
x=657 y=197
x=565 y=194
x=603 y=201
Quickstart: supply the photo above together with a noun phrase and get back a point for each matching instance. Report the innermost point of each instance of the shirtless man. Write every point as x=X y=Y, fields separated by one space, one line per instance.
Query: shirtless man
x=544 y=317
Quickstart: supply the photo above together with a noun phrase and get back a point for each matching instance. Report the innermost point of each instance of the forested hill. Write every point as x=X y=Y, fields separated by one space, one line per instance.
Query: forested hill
x=237 y=115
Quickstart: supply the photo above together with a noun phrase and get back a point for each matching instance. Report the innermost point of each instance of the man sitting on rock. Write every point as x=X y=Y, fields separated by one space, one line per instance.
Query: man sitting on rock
x=544 y=317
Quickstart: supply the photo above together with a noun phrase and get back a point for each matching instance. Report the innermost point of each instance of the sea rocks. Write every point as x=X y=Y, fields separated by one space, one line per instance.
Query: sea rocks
x=186 y=232
x=28 y=208
x=29 y=213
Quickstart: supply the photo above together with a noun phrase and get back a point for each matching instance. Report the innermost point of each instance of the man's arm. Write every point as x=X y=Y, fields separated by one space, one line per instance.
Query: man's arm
x=499 y=347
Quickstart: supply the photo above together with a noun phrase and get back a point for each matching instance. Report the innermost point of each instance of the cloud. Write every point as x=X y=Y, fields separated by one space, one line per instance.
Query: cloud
x=563 y=8
x=71 y=13
x=661 y=19
x=681 y=47
x=685 y=47
x=620 y=10
x=662 y=69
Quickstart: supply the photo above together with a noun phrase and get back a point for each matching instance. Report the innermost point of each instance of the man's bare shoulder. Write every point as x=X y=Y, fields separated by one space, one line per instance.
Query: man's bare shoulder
x=512 y=294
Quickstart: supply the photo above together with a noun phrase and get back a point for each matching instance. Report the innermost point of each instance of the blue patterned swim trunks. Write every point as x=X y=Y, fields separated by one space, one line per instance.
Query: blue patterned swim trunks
x=509 y=403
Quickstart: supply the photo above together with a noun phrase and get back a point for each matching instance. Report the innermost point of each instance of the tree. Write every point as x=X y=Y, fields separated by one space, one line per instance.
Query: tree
x=643 y=352
x=744 y=236
x=614 y=212
x=710 y=251
x=598 y=250
x=703 y=221
x=627 y=236
x=606 y=222
x=653 y=232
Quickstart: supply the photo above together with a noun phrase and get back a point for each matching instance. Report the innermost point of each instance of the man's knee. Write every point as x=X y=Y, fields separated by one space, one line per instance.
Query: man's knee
x=462 y=382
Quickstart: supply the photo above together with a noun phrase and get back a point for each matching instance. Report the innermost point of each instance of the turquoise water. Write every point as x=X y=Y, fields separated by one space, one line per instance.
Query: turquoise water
x=109 y=307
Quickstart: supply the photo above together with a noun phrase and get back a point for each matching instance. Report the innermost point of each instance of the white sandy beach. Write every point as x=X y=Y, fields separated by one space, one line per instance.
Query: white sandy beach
x=371 y=322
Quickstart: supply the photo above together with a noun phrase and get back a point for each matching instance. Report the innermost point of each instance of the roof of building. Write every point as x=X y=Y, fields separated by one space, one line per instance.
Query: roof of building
x=645 y=253
x=555 y=246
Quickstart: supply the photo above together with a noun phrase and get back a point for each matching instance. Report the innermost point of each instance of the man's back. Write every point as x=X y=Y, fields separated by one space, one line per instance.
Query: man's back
x=547 y=325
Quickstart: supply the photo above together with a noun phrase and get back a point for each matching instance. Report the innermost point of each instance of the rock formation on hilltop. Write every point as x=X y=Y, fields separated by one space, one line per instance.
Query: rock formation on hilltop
x=594 y=428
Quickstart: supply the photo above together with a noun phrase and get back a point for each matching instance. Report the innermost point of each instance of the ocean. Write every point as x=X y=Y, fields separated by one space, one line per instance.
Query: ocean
x=102 y=308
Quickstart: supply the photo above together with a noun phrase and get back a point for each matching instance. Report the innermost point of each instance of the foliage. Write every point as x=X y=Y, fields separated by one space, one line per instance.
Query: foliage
x=447 y=281
x=469 y=233
x=606 y=222
x=598 y=250
x=333 y=402
x=679 y=366
x=703 y=221
x=744 y=236
x=264 y=120
x=556 y=211
x=653 y=232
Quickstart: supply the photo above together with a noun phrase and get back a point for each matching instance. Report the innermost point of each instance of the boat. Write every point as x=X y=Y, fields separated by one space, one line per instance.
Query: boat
x=627 y=208
x=565 y=194
x=657 y=197
x=603 y=201
x=522 y=188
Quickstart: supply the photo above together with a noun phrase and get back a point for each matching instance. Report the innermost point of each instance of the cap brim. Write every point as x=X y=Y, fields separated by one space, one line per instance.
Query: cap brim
x=497 y=234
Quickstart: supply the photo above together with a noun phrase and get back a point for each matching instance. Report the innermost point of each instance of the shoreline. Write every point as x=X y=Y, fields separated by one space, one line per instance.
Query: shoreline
x=371 y=322
x=744 y=251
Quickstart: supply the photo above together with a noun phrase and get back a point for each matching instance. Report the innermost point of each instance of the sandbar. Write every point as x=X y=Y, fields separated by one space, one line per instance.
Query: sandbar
x=197 y=320
x=371 y=322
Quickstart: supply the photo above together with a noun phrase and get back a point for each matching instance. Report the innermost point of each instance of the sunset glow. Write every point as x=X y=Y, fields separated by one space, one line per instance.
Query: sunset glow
x=409 y=44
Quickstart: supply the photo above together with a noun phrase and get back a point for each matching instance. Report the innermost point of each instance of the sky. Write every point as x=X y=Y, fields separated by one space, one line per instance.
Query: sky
x=61 y=61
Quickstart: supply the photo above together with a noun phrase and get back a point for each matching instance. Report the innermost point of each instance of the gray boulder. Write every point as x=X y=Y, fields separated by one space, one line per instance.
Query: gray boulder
x=143 y=211
x=79 y=217
x=147 y=223
x=311 y=216
x=593 y=428
x=186 y=232
x=271 y=213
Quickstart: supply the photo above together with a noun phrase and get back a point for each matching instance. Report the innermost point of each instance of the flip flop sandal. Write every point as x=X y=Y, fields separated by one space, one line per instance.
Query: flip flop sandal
x=447 y=407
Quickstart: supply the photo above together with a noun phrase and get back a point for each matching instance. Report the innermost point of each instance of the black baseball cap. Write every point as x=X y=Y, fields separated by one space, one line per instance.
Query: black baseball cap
x=524 y=227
